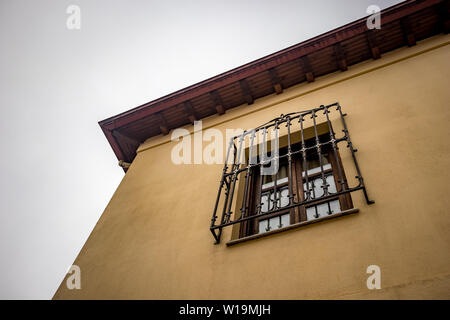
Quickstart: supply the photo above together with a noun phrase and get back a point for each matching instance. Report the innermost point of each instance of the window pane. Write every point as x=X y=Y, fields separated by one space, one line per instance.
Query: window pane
x=306 y=188
x=282 y=171
x=274 y=223
x=265 y=202
x=335 y=206
x=264 y=226
x=313 y=165
x=268 y=200
x=285 y=220
x=311 y=213
x=322 y=209
x=282 y=177
x=318 y=191
x=331 y=184
x=267 y=181
x=283 y=198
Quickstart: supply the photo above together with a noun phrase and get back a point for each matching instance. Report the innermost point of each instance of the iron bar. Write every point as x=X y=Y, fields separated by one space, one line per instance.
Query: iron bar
x=309 y=197
x=274 y=153
x=331 y=196
x=247 y=174
x=222 y=182
x=335 y=149
x=324 y=185
x=304 y=167
x=261 y=171
x=234 y=179
x=227 y=190
x=291 y=191
x=350 y=146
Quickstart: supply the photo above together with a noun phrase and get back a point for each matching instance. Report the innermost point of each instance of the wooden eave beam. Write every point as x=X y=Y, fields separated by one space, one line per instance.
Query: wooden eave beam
x=162 y=124
x=217 y=102
x=114 y=144
x=443 y=11
x=340 y=57
x=373 y=44
x=246 y=91
x=436 y=9
x=286 y=55
x=192 y=115
x=306 y=66
x=408 y=34
x=276 y=83
x=123 y=136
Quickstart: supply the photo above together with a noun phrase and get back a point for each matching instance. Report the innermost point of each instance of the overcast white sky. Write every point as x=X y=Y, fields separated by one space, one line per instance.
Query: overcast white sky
x=58 y=170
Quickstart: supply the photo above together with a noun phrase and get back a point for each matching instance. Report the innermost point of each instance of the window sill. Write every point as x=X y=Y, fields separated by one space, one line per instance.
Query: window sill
x=292 y=226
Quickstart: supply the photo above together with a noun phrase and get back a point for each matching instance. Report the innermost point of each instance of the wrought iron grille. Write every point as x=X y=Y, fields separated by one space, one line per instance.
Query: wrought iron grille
x=242 y=165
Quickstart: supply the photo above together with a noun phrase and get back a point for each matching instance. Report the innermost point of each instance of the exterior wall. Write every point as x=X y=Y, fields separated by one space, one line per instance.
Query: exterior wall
x=153 y=240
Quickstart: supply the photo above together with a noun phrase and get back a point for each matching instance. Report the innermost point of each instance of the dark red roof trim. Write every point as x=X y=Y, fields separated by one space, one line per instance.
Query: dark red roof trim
x=134 y=126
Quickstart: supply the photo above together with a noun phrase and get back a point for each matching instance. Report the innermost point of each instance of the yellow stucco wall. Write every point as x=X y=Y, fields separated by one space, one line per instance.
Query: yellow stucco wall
x=153 y=240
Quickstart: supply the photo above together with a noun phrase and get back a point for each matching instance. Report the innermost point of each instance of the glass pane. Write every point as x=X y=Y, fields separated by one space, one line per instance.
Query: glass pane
x=313 y=165
x=264 y=202
x=273 y=223
x=331 y=184
x=263 y=226
x=305 y=188
x=283 y=198
x=317 y=169
x=267 y=181
x=335 y=206
x=314 y=162
x=318 y=191
x=267 y=201
x=282 y=177
x=322 y=210
x=282 y=171
x=285 y=220
x=311 y=213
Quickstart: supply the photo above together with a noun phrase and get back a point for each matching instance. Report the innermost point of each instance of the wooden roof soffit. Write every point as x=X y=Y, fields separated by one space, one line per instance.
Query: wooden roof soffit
x=217 y=102
x=246 y=91
x=276 y=83
x=443 y=11
x=407 y=32
x=192 y=115
x=340 y=57
x=120 y=135
x=373 y=44
x=306 y=66
x=162 y=124
x=412 y=18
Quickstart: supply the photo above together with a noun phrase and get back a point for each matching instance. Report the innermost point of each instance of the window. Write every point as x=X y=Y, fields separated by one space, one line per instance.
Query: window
x=301 y=179
x=307 y=177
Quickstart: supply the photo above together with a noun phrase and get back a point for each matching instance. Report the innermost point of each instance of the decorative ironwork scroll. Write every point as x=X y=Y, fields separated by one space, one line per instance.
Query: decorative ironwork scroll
x=295 y=124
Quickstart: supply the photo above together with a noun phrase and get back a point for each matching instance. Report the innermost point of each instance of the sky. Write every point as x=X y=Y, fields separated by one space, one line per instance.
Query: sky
x=58 y=170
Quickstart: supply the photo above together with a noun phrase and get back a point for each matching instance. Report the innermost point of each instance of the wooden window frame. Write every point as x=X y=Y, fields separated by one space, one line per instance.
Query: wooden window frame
x=298 y=213
x=227 y=197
